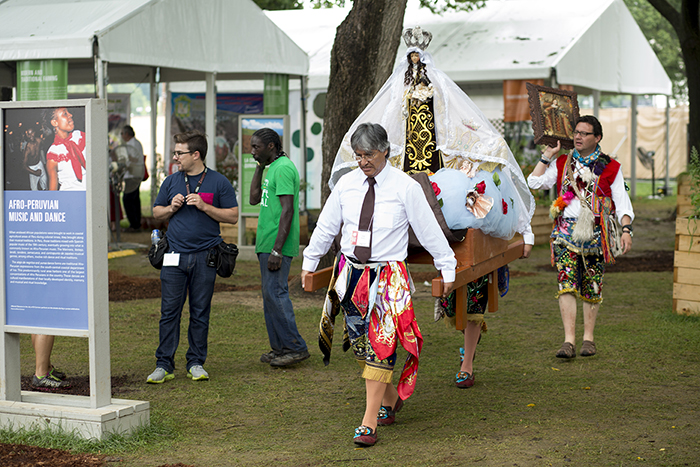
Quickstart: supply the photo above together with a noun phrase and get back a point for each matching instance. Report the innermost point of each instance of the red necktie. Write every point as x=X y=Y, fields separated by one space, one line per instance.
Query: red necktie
x=363 y=253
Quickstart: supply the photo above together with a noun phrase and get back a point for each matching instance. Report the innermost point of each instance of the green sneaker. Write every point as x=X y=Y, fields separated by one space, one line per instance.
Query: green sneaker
x=198 y=373
x=159 y=376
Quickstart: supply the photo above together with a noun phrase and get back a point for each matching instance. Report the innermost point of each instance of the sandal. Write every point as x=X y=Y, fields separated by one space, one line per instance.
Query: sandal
x=567 y=350
x=588 y=349
x=464 y=380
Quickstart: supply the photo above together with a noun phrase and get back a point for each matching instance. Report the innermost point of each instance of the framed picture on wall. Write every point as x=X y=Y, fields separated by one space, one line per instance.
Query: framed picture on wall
x=554 y=113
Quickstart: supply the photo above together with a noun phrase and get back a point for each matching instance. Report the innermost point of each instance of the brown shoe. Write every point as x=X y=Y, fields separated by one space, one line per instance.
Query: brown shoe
x=567 y=350
x=588 y=349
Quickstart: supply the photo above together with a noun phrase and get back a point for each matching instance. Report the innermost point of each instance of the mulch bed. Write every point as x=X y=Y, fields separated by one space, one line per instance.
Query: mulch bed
x=20 y=455
x=644 y=261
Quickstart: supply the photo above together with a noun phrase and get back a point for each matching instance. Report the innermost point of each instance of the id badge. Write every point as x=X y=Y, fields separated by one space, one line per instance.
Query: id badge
x=171 y=259
x=360 y=238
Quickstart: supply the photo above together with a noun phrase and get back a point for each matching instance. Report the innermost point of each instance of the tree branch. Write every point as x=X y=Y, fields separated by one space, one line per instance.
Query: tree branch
x=667 y=10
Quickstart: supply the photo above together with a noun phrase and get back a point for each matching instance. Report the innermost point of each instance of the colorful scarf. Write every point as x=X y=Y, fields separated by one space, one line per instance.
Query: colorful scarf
x=75 y=155
x=589 y=159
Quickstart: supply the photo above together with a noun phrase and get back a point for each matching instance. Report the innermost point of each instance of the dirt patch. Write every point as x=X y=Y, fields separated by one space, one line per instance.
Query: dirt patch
x=19 y=455
x=80 y=385
x=642 y=261
x=123 y=288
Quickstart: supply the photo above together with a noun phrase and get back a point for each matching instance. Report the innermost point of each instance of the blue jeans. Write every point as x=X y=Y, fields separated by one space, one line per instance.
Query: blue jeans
x=193 y=275
x=279 y=313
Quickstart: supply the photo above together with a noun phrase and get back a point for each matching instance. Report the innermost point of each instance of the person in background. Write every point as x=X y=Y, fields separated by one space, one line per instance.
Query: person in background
x=276 y=243
x=194 y=201
x=591 y=188
x=132 y=179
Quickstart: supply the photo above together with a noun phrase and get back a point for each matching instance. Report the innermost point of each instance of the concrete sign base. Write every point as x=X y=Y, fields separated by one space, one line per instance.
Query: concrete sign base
x=73 y=414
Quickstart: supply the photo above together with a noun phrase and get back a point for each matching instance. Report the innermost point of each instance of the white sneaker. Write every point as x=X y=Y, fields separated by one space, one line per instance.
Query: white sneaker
x=160 y=376
x=198 y=373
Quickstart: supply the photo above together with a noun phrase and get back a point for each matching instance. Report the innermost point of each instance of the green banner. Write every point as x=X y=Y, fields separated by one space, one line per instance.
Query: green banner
x=39 y=80
x=276 y=94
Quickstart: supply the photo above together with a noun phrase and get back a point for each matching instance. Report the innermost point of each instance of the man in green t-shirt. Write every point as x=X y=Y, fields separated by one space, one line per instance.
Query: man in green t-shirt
x=277 y=242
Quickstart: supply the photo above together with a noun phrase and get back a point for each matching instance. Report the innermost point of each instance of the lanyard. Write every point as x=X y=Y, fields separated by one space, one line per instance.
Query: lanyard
x=199 y=183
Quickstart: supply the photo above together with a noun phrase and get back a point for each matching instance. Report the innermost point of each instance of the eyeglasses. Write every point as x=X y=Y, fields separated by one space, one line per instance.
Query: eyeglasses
x=179 y=154
x=582 y=133
x=366 y=157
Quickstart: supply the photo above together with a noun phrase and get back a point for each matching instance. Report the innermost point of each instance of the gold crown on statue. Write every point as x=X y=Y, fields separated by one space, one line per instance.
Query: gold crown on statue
x=416 y=37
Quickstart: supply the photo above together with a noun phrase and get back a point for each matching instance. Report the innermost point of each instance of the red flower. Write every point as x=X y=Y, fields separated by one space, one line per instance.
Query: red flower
x=505 y=206
x=436 y=188
x=481 y=187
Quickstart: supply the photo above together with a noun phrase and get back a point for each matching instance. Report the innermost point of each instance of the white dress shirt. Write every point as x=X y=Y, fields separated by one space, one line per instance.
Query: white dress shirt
x=623 y=205
x=399 y=201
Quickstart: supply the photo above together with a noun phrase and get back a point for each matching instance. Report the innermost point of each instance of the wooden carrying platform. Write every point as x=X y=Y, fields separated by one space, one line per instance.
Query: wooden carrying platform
x=476 y=255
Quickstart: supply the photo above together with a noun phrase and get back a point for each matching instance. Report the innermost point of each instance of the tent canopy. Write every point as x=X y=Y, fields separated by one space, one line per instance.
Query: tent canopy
x=186 y=39
x=595 y=45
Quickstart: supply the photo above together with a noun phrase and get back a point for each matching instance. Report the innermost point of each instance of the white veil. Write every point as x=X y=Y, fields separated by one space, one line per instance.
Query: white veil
x=463 y=133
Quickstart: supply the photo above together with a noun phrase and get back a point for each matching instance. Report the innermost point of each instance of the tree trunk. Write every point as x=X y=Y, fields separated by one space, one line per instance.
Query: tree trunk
x=686 y=22
x=362 y=59
x=689 y=37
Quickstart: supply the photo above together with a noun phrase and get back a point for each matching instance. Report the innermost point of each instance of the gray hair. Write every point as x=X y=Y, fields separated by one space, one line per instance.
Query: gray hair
x=370 y=137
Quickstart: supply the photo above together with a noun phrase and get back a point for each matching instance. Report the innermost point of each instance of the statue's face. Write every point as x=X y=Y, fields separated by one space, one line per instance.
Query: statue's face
x=415 y=57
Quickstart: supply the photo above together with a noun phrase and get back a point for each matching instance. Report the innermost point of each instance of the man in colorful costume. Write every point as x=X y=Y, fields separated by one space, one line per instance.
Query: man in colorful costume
x=371 y=283
x=591 y=189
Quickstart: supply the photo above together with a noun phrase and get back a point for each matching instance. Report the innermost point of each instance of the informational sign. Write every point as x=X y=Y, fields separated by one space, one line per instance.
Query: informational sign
x=45 y=159
x=188 y=113
x=42 y=80
x=248 y=126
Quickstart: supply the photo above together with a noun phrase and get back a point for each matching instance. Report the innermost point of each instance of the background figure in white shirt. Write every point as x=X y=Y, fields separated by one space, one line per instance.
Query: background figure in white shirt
x=375 y=295
x=133 y=177
x=590 y=186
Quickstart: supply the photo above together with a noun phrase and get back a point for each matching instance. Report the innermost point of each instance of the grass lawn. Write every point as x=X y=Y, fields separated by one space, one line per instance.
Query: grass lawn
x=636 y=401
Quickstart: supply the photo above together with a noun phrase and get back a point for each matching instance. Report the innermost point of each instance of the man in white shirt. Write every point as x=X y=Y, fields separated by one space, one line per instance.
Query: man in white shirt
x=132 y=179
x=590 y=186
x=373 y=207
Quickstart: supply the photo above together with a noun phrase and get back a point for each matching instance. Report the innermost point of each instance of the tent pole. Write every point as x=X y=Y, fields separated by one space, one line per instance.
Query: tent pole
x=668 y=145
x=596 y=103
x=210 y=119
x=154 y=124
x=302 y=141
x=633 y=150
x=101 y=91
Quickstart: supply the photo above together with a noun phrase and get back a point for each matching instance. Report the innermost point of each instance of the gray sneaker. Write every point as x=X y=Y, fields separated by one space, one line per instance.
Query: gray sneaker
x=268 y=357
x=159 y=376
x=290 y=358
x=49 y=382
x=198 y=373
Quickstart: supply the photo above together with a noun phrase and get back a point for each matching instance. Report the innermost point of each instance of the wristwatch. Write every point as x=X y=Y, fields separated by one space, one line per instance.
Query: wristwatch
x=545 y=161
x=276 y=254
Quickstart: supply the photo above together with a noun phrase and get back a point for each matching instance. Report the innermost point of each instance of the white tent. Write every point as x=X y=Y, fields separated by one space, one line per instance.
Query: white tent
x=126 y=41
x=186 y=39
x=595 y=45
